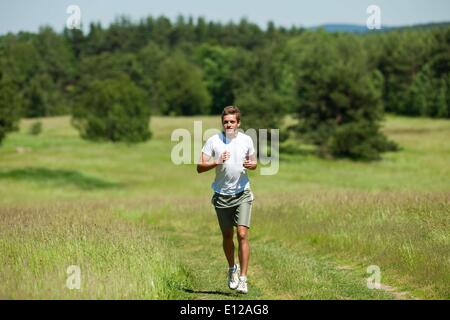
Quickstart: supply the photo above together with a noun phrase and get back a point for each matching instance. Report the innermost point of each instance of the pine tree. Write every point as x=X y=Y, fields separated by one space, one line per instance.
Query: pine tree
x=339 y=98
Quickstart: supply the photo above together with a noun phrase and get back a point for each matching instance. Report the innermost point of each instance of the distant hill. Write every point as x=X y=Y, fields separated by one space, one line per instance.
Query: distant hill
x=354 y=28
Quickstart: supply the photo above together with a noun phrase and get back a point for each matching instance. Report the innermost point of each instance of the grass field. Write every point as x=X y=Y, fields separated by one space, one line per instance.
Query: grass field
x=140 y=227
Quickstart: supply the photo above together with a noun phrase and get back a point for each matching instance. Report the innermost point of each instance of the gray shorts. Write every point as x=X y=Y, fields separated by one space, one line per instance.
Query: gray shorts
x=233 y=210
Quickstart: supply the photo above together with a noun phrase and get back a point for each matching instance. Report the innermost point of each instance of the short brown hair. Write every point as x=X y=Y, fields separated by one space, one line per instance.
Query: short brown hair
x=232 y=110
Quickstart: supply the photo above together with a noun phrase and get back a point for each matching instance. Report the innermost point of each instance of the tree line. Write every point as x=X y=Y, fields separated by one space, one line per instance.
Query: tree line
x=338 y=85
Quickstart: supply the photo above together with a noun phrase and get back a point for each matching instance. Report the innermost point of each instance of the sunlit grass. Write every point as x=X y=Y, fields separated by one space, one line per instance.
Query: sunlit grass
x=116 y=259
x=66 y=201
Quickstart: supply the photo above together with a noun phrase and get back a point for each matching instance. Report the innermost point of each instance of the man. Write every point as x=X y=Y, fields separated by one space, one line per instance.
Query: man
x=232 y=153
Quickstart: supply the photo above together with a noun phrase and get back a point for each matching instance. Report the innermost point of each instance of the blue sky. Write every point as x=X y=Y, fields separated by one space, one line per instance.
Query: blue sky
x=25 y=15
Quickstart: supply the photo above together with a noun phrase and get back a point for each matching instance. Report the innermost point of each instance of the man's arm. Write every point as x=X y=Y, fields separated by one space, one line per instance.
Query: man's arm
x=205 y=163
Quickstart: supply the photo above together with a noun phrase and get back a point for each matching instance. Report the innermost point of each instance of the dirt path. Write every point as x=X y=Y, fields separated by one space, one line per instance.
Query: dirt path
x=275 y=272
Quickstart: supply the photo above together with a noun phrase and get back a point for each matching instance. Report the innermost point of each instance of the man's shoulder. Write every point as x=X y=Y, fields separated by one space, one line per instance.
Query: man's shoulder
x=214 y=138
x=244 y=137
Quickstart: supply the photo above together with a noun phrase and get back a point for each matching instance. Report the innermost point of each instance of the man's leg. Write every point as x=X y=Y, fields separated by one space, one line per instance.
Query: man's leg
x=244 y=248
x=228 y=246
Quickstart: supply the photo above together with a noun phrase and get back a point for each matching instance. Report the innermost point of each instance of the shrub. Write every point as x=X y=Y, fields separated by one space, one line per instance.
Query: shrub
x=36 y=128
x=114 y=110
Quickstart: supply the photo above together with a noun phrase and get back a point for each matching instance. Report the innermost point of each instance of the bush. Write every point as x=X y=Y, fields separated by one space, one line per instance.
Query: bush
x=114 y=110
x=36 y=128
x=359 y=141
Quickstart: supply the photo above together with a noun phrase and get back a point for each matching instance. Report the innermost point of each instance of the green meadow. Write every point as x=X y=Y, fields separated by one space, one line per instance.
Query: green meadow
x=140 y=227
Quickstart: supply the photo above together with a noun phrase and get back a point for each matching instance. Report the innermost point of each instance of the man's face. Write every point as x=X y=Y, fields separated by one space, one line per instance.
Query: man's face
x=230 y=124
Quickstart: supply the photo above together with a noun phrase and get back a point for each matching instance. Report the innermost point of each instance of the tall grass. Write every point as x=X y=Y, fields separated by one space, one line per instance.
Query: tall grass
x=405 y=234
x=116 y=259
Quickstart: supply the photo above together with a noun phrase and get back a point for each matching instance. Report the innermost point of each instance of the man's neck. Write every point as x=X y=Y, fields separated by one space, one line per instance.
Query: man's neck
x=230 y=137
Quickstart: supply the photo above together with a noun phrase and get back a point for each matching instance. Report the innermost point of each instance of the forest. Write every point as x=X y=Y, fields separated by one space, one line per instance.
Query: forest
x=337 y=85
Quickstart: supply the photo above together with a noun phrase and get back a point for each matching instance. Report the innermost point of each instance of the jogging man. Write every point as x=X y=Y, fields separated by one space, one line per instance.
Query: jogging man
x=232 y=154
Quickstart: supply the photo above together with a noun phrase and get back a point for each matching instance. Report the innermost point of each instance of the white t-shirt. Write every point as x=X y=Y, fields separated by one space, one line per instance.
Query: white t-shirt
x=231 y=176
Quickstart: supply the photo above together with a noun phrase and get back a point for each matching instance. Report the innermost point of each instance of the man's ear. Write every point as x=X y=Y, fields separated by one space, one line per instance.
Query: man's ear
x=239 y=123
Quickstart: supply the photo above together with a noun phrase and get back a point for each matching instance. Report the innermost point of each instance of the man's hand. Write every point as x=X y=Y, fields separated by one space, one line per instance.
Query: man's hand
x=223 y=157
x=250 y=164
x=206 y=164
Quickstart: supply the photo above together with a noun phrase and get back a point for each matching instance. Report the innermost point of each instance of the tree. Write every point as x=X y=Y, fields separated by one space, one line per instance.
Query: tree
x=264 y=86
x=217 y=64
x=43 y=98
x=427 y=94
x=113 y=110
x=201 y=30
x=95 y=41
x=150 y=59
x=262 y=109
x=162 y=28
x=441 y=100
x=76 y=40
x=419 y=98
x=181 y=89
x=10 y=107
x=55 y=53
x=21 y=60
x=339 y=98
x=404 y=54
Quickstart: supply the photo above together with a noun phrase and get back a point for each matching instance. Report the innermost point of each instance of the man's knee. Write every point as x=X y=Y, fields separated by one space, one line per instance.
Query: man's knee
x=242 y=233
x=227 y=234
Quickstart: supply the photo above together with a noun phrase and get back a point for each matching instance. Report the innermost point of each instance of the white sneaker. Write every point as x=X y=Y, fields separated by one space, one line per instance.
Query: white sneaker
x=233 y=277
x=242 y=286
